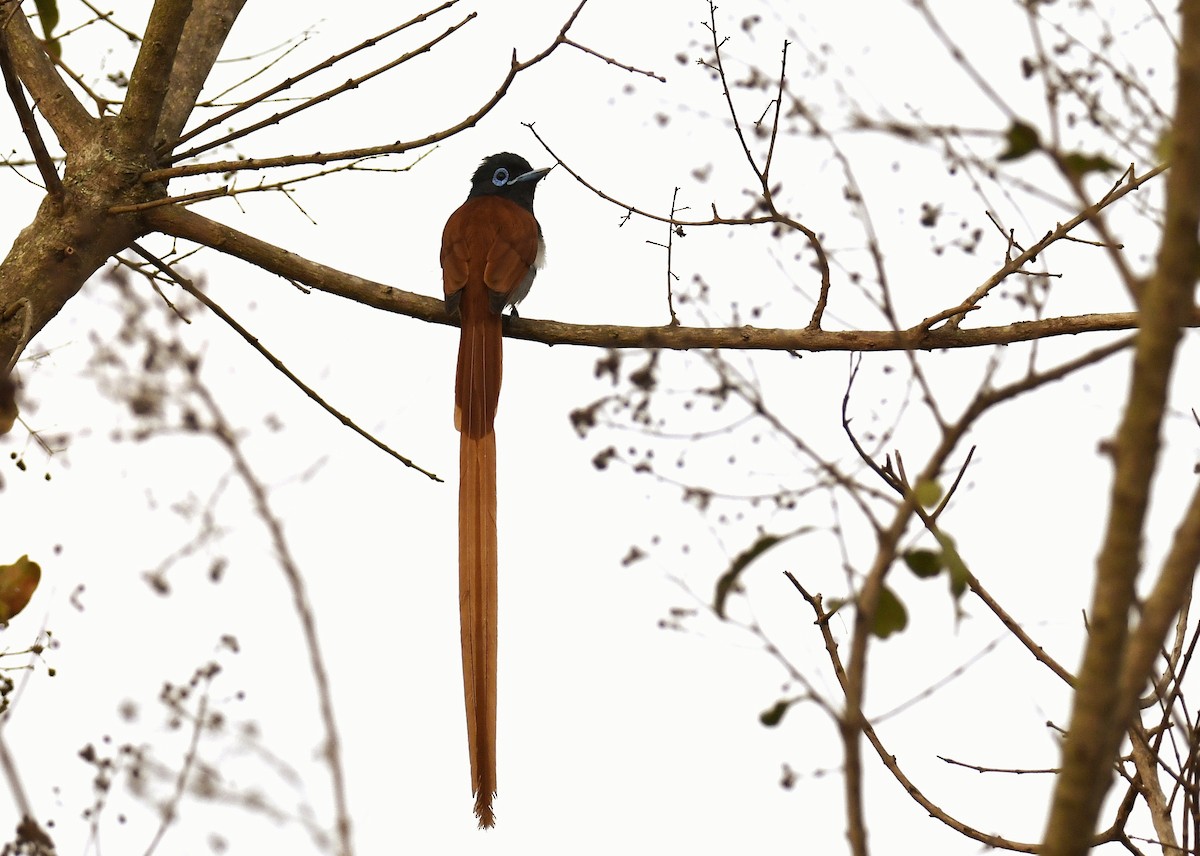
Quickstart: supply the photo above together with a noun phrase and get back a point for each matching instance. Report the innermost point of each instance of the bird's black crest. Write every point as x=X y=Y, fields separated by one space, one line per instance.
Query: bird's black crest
x=495 y=177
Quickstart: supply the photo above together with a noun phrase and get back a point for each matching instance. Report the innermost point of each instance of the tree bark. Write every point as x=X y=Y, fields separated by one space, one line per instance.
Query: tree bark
x=74 y=233
x=1104 y=702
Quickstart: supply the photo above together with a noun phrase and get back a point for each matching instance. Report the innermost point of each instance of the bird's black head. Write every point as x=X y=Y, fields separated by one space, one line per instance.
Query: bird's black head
x=507 y=175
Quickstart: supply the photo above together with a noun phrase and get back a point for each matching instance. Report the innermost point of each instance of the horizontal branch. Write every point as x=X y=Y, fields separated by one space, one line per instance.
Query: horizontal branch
x=314 y=158
x=188 y=225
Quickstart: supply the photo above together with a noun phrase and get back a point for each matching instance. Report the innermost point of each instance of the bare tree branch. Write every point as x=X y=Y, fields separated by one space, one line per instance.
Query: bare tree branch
x=53 y=98
x=215 y=121
x=41 y=156
x=1145 y=760
x=250 y=339
x=199 y=723
x=332 y=749
x=188 y=225
x=151 y=77
x=353 y=83
x=1164 y=602
x=1102 y=706
x=889 y=759
x=203 y=36
x=398 y=147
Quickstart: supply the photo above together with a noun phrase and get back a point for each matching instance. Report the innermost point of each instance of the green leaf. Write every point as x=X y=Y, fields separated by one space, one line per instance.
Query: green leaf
x=1080 y=164
x=727 y=582
x=928 y=493
x=890 y=614
x=924 y=563
x=960 y=577
x=772 y=715
x=1163 y=148
x=47 y=11
x=1022 y=140
x=48 y=14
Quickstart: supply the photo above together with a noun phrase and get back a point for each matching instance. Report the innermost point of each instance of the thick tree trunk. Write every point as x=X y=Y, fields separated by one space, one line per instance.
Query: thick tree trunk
x=73 y=233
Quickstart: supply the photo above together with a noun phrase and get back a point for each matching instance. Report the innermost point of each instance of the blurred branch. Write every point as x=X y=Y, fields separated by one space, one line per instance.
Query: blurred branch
x=13 y=778
x=171 y=811
x=1164 y=602
x=107 y=17
x=103 y=104
x=960 y=57
x=1103 y=707
x=252 y=340
x=331 y=747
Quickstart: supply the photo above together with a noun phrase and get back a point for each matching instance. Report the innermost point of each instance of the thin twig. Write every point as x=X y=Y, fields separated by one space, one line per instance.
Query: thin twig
x=887 y=758
x=107 y=17
x=183 y=199
x=191 y=289
x=189 y=760
x=353 y=83
x=612 y=61
x=398 y=147
x=41 y=155
x=1018 y=771
x=778 y=112
x=292 y=81
x=332 y=748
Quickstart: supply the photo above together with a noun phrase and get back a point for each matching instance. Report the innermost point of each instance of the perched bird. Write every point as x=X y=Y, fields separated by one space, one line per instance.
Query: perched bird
x=491 y=250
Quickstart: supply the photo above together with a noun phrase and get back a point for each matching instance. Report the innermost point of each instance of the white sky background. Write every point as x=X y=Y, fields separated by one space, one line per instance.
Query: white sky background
x=613 y=733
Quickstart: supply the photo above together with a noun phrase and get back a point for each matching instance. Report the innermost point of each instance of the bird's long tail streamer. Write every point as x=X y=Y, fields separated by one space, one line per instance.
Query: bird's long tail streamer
x=479 y=362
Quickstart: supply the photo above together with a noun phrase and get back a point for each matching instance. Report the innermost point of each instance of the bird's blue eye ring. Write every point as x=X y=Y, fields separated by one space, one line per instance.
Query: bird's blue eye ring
x=500 y=177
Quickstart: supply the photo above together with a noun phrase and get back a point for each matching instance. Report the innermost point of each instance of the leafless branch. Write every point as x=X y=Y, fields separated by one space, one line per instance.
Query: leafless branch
x=41 y=155
x=253 y=341
x=332 y=750
x=189 y=759
x=1103 y=707
x=151 y=75
x=53 y=98
x=247 y=103
x=329 y=94
x=204 y=34
x=398 y=147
